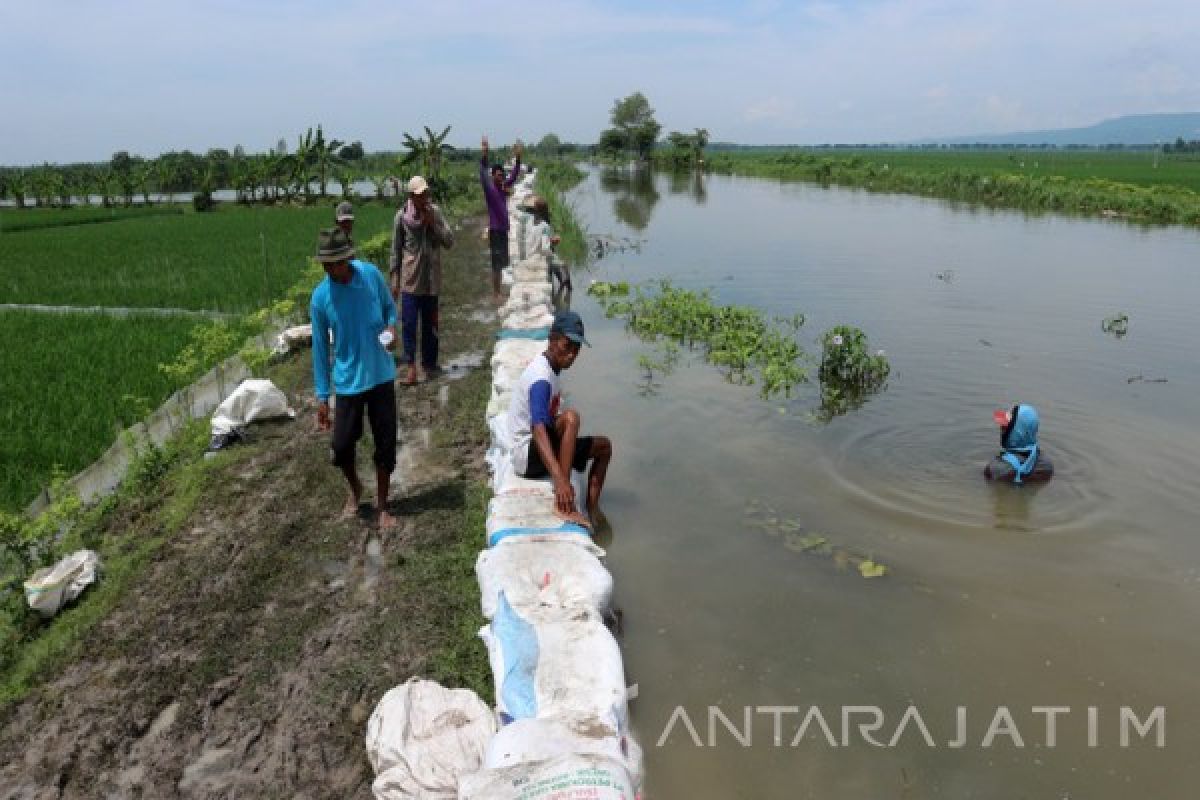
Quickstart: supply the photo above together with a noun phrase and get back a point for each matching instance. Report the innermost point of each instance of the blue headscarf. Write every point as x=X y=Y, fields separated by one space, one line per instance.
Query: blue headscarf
x=1020 y=441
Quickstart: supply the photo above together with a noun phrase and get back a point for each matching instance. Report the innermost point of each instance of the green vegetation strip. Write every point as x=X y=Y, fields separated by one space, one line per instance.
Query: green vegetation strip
x=12 y=221
x=554 y=180
x=967 y=179
x=236 y=259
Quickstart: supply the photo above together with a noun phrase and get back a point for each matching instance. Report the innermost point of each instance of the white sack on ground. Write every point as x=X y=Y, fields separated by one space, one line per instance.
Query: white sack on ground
x=422 y=738
x=591 y=777
x=251 y=400
x=530 y=741
x=51 y=588
x=543 y=574
x=290 y=338
x=546 y=663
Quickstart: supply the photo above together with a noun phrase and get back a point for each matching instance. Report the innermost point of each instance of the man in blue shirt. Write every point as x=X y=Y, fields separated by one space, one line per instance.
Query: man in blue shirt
x=353 y=301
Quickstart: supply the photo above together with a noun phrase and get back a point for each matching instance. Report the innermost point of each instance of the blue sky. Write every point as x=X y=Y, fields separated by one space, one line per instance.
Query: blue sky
x=85 y=78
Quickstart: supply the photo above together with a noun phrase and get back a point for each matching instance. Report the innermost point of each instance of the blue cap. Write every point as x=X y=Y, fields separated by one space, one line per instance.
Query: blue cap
x=570 y=325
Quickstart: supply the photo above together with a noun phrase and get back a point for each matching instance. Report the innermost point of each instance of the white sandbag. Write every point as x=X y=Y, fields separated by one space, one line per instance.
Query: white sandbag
x=517 y=353
x=292 y=338
x=536 y=317
x=546 y=663
x=51 y=588
x=559 y=575
x=252 y=399
x=565 y=778
x=422 y=738
x=530 y=741
x=499 y=401
x=506 y=482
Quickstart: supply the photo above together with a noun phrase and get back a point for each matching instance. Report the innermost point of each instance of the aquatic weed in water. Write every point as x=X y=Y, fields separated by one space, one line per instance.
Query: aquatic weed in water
x=849 y=372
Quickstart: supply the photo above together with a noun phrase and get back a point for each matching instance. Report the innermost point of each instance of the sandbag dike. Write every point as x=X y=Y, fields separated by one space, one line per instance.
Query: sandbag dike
x=560 y=722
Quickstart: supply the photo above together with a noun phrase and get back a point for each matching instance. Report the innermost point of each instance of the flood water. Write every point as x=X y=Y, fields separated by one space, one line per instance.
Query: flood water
x=1082 y=593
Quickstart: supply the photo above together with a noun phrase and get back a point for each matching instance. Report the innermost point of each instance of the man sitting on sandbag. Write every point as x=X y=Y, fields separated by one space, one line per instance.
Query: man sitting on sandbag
x=545 y=440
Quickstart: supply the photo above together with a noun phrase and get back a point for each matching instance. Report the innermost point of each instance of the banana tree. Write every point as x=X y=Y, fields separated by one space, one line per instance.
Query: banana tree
x=428 y=152
x=325 y=157
x=301 y=162
x=18 y=186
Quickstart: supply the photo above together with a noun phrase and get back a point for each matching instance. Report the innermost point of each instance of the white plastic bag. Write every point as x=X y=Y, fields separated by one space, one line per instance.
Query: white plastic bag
x=251 y=400
x=565 y=778
x=51 y=588
x=529 y=741
x=561 y=575
x=422 y=738
x=546 y=662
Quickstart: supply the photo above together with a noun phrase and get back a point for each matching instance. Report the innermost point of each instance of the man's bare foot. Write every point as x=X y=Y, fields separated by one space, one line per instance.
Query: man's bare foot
x=498 y=298
x=387 y=523
x=410 y=376
x=350 y=509
x=575 y=517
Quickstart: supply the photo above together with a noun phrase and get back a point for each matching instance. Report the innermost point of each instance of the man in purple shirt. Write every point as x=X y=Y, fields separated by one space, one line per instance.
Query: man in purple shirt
x=495 y=192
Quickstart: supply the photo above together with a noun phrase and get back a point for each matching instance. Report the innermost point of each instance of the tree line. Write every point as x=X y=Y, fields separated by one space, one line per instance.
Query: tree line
x=283 y=174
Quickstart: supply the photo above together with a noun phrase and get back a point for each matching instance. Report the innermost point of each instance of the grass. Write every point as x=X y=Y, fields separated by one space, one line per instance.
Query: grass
x=77 y=379
x=211 y=261
x=14 y=221
x=554 y=180
x=167 y=485
x=1073 y=183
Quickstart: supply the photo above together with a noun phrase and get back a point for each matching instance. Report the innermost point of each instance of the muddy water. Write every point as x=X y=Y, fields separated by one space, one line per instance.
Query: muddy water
x=1083 y=593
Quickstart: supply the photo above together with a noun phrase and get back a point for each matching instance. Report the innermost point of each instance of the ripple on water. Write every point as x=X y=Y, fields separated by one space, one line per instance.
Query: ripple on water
x=934 y=473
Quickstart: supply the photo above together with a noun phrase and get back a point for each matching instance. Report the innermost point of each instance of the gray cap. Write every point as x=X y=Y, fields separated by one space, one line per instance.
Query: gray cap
x=344 y=211
x=333 y=245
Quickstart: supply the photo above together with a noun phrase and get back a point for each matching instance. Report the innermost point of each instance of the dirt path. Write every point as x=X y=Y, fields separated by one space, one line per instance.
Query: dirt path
x=254 y=647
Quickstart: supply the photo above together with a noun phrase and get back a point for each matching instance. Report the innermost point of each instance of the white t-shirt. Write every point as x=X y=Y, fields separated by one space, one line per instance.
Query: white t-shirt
x=535 y=399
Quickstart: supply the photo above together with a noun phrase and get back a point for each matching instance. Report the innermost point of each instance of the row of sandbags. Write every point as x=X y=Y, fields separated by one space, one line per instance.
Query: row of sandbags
x=560 y=724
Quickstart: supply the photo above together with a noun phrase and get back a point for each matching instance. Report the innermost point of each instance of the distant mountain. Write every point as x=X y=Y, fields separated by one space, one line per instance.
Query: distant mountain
x=1135 y=129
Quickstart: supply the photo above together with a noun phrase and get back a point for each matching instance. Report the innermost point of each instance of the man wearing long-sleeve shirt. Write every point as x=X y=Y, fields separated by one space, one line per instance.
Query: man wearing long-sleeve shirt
x=419 y=234
x=354 y=303
x=495 y=192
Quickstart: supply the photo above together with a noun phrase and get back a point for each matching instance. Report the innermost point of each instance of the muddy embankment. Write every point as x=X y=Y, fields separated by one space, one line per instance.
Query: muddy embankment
x=248 y=651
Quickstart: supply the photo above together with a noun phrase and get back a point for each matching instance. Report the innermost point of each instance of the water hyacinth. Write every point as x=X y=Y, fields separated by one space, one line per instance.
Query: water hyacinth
x=849 y=373
x=747 y=345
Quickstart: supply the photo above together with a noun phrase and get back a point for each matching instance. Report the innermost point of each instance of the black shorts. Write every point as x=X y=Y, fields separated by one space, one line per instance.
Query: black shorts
x=379 y=405
x=536 y=470
x=498 y=244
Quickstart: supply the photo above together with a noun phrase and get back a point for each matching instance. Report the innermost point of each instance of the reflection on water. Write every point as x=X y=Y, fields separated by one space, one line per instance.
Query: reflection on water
x=1083 y=592
x=634 y=194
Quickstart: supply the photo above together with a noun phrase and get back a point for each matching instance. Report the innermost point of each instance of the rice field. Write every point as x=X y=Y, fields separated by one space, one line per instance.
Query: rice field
x=234 y=260
x=70 y=383
x=13 y=221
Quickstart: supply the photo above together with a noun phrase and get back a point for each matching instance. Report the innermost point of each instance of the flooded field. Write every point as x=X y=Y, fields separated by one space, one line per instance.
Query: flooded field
x=1004 y=612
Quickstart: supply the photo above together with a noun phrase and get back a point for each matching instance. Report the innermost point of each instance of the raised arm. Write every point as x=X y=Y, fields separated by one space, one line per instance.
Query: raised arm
x=519 y=150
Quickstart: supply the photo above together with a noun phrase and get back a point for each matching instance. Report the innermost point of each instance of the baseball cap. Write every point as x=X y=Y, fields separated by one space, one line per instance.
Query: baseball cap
x=569 y=324
x=417 y=185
